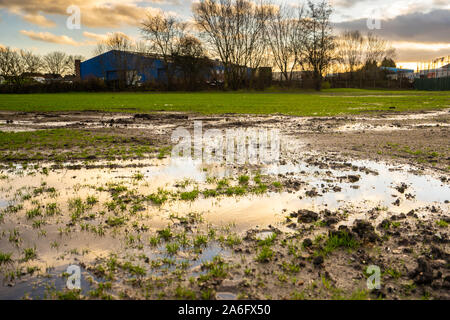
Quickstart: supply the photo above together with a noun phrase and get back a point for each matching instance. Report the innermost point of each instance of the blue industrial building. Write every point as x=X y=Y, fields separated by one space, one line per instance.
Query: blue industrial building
x=133 y=67
x=397 y=70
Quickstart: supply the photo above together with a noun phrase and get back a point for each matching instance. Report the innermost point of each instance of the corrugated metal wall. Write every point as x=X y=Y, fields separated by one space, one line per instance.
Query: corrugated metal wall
x=436 y=84
x=107 y=65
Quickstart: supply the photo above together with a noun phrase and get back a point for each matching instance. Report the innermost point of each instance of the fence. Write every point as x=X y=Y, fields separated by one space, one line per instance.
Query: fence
x=435 y=84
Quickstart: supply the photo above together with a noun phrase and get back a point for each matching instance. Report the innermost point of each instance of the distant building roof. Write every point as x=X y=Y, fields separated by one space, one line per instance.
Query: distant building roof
x=397 y=70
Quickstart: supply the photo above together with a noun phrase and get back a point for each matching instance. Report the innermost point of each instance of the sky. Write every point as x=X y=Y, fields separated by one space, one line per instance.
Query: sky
x=418 y=29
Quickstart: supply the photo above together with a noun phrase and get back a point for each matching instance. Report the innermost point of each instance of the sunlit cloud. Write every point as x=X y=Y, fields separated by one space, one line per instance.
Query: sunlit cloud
x=39 y=20
x=94 y=14
x=409 y=52
x=50 y=37
x=421 y=46
x=95 y=36
x=102 y=37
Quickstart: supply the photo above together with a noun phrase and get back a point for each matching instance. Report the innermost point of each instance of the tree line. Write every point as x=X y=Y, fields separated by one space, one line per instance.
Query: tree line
x=16 y=64
x=246 y=35
x=243 y=35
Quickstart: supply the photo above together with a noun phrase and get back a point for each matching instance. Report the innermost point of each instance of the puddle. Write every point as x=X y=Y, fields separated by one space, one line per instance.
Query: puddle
x=3 y=204
x=226 y=296
x=357 y=187
x=370 y=187
x=264 y=235
x=374 y=127
x=40 y=286
x=368 y=127
x=251 y=210
x=29 y=125
x=418 y=116
x=185 y=254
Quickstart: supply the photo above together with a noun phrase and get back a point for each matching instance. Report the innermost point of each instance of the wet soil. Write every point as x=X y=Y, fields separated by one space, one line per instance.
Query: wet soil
x=419 y=138
x=348 y=193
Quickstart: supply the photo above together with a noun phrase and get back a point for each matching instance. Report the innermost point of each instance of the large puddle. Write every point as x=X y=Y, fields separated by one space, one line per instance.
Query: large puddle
x=321 y=187
x=357 y=187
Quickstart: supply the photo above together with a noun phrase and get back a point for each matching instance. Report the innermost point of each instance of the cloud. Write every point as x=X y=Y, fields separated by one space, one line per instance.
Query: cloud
x=346 y=3
x=95 y=36
x=50 y=37
x=429 y=27
x=90 y=37
x=95 y=13
x=416 y=36
x=412 y=52
x=102 y=37
x=442 y=3
x=39 y=20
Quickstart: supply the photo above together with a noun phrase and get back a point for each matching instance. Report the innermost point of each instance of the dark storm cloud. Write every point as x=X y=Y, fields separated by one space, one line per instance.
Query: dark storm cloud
x=429 y=27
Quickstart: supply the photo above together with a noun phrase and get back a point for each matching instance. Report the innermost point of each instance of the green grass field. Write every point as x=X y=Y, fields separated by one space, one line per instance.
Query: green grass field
x=305 y=103
x=73 y=144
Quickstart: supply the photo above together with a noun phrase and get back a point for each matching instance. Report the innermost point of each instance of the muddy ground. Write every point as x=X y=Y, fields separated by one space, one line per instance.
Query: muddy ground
x=420 y=138
x=349 y=192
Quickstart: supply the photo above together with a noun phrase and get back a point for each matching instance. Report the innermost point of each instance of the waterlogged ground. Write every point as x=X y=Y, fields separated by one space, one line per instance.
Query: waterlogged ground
x=347 y=193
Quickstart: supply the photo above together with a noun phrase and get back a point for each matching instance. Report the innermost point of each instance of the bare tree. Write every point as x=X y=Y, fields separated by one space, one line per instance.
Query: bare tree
x=32 y=63
x=351 y=50
x=117 y=41
x=320 y=42
x=356 y=50
x=164 y=33
x=377 y=49
x=258 y=51
x=71 y=63
x=285 y=37
x=5 y=60
x=142 y=47
x=234 y=29
x=192 y=62
x=11 y=64
x=57 y=63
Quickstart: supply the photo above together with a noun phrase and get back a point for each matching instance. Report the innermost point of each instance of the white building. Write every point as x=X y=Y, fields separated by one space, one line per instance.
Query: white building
x=442 y=72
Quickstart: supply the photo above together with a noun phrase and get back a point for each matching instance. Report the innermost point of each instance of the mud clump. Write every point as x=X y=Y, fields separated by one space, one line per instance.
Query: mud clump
x=353 y=178
x=307 y=243
x=312 y=193
x=401 y=188
x=146 y=116
x=329 y=221
x=305 y=216
x=350 y=178
x=365 y=230
x=318 y=261
x=423 y=274
x=293 y=184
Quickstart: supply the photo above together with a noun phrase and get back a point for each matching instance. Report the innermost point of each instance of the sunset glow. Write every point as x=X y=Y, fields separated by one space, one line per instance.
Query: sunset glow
x=418 y=29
